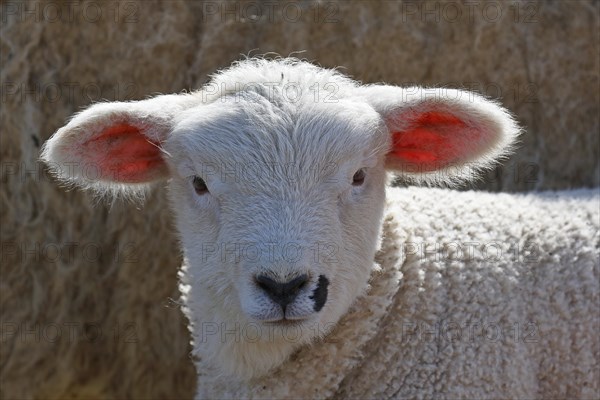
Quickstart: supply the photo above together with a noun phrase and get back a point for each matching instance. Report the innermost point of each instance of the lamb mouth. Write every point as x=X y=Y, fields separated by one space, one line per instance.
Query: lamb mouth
x=285 y=322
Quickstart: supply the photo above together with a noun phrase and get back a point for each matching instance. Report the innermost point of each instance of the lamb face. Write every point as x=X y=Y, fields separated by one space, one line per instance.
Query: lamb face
x=278 y=195
x=287 y=229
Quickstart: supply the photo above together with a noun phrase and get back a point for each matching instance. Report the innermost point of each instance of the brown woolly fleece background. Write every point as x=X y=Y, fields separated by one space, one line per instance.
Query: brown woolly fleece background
x=88 y=289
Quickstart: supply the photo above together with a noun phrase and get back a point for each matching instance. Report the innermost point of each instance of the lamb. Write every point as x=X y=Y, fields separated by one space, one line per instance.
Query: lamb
x=304 y=277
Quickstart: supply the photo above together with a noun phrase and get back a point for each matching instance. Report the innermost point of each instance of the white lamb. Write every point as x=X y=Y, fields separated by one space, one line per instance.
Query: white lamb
x=298 y=284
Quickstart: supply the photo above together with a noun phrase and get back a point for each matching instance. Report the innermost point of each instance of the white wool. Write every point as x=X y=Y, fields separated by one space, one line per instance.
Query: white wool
x=473 y=295
x=295 y=159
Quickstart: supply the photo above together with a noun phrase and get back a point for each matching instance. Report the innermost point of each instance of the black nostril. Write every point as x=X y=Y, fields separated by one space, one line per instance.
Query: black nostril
x=282 y=293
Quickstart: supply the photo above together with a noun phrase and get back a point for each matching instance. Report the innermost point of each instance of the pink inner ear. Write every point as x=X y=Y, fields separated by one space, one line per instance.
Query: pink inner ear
x=123 y=154
x=433 y=140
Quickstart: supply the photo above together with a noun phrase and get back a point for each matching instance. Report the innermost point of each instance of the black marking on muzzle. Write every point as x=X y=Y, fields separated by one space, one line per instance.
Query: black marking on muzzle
x=320 y=293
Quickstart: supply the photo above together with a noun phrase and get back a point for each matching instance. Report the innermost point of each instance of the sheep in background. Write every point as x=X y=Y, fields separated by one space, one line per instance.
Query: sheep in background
x=277 y=173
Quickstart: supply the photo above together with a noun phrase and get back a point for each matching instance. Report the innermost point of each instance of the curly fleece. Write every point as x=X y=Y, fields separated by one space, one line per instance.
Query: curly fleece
x=473 y=295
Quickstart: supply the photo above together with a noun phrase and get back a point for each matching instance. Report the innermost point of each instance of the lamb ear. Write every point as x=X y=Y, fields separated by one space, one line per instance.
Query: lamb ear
x=442 y=135
x=115 y=145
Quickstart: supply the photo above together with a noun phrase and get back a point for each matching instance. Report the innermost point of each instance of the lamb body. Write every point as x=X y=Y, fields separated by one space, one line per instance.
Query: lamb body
x=487 y=296
x=280 y=155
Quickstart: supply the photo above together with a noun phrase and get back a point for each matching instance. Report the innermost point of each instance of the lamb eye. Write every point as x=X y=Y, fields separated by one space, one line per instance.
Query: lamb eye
x=199 y=185
x=359 y=177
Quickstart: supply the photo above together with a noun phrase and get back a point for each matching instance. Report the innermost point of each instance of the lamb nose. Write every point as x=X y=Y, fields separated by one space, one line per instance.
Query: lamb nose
x=282 y=293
